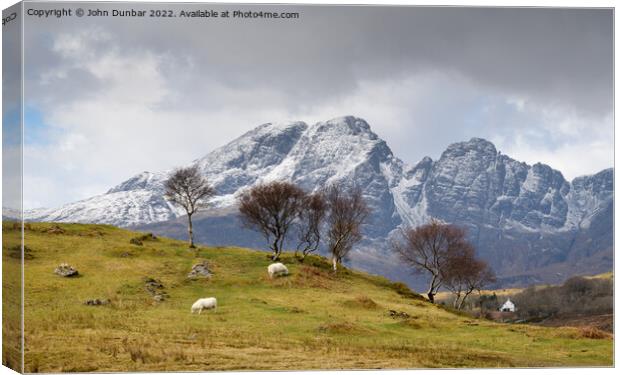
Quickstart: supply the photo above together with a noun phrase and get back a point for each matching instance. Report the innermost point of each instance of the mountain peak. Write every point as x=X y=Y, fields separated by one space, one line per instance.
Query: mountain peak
x=481 y=144
x=349 y=125
x=273 y=129
x=265 y=145
x=470 y=182
x=474 y=149
x=282 y=125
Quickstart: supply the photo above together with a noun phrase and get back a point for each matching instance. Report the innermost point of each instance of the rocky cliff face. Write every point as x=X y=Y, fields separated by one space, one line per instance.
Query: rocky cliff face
x=527 y=221
x=473 y=183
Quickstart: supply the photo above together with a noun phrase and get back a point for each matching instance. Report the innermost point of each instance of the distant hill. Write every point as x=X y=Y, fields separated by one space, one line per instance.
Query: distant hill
x=310 y=319
x=527 y=221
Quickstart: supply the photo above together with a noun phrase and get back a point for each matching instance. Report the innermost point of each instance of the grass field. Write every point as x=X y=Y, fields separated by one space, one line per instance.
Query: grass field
x=308 y=320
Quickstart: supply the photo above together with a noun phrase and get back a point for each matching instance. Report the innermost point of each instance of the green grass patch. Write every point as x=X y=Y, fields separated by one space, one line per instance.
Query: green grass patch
x=311 y=319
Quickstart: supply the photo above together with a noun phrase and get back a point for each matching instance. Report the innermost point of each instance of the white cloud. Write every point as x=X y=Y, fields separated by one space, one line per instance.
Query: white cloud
x=127 y=123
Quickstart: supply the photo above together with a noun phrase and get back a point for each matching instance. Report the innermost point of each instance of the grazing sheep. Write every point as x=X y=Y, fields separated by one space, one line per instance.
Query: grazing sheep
x=277 y=269
x=204 y=303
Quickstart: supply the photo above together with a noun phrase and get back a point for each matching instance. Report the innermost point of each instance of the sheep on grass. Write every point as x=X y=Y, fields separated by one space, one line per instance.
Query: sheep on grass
x=277 y=269
x=204 y=304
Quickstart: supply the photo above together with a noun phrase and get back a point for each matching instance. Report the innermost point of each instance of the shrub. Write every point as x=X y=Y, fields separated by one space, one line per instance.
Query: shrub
x=577 y=296
x=590 y=332
x=16 y=252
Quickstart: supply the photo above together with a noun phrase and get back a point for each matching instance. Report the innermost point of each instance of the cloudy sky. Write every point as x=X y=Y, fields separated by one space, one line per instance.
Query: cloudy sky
x=107 y=98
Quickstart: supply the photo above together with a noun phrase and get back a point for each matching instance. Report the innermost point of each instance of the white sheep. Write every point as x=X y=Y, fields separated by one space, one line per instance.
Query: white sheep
x=204 y=303
x=277 y=269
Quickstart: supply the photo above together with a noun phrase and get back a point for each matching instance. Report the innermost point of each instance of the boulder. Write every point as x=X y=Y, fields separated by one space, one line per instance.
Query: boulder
x=200 y=270
x=398 y=314
x=140 y=239
x=155 y=288
x=66 y=270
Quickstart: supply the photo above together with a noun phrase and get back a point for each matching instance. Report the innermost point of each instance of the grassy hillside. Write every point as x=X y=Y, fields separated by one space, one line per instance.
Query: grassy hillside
x=308 y=320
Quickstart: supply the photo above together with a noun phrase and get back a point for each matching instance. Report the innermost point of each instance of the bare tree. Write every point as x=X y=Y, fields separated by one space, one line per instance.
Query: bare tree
x=347 y=213
x=464 y=273
x=271 y=209
x=188 y=188
x=459 y=266
x=427 y=248
x=311 y=218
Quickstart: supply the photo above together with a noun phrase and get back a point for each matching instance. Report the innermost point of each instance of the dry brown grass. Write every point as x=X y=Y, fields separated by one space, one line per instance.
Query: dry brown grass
x=589 y=332
x=312 y=277
x=363 y=302
x=343 y=328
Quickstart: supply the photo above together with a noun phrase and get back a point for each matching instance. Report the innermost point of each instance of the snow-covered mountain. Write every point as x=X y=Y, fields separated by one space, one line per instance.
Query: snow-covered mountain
x=523 y=218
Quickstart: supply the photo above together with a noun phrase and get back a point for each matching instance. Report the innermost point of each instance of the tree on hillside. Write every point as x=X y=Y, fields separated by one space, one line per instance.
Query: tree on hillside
x=428 y=248
x=271 y=209
x=311 y=218
x=347 y=213
x=464 y=273
x=488 y=302
x=188 y=188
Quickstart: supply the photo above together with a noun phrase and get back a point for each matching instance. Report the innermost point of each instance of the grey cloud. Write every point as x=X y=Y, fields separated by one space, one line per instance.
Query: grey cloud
x=558 y=55
x=423 y=77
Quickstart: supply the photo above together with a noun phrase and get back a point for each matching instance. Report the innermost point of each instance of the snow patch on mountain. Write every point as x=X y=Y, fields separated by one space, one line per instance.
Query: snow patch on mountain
x=471 y=183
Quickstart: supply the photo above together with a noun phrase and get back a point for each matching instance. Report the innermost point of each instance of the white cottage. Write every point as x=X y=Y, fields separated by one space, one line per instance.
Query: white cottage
x=508 y=306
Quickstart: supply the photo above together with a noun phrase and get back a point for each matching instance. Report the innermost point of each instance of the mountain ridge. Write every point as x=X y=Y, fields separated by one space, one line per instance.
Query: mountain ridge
x=471 y=184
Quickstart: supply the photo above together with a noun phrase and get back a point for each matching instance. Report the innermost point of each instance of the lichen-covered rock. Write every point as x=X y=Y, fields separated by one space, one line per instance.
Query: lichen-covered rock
x=398 y=314
x=65 y=270
x=155 y=288
x=200 y=270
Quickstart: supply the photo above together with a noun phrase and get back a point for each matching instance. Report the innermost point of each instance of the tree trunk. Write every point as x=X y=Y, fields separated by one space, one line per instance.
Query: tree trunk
x=274 y=247
x=334 y=264
x=463 y=300
x=190 y=229
x=431 y=296
x=457 y=301
x=431 y=290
